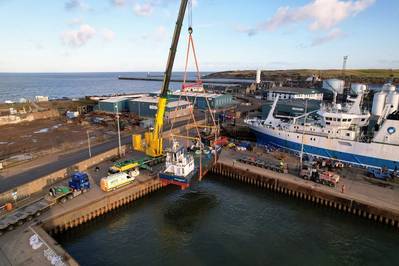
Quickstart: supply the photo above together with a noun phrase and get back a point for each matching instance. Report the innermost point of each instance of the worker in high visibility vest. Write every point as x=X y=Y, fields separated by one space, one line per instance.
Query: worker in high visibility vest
x=281 y=164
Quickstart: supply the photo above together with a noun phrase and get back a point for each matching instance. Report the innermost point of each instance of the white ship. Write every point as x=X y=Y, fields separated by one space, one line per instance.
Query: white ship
x=179 y=165
x=340 y=132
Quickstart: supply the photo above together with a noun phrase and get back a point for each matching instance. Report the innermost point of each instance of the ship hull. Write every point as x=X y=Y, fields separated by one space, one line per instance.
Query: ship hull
x=376 y=155
x=207 y=162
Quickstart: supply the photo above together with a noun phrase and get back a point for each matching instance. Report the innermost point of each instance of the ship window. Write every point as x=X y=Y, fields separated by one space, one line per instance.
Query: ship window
x=344 y=119
x=339 y=119
x=348 y=134
x=349 y=120
x=327 y=123
x=363 y=119
x=297 y=137
x=334 y=119
x=328 y=118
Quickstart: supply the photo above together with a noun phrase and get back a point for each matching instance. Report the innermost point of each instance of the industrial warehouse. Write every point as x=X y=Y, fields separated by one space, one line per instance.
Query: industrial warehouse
x=145 y=105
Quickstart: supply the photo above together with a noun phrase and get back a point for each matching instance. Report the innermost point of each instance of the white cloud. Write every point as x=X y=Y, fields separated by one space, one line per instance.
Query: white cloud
x=159 y=34
x=108 y=35
x=330 y=36
x=144 y=9
x=75 y=21
x=118 y=2
x=76 y=4
x=320 y=14
x=78 y=38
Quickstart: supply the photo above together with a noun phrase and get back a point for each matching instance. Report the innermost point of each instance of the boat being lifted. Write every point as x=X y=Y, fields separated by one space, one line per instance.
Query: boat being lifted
x=186 y=166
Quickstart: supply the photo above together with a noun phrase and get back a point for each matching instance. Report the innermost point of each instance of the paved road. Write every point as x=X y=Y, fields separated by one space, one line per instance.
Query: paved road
x=64 y=161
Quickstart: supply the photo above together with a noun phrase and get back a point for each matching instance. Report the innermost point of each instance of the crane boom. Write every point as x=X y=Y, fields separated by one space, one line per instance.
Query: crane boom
x=154 y=143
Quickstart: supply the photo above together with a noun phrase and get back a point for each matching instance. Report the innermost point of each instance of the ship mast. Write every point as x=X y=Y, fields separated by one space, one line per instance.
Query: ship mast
x=303 y=133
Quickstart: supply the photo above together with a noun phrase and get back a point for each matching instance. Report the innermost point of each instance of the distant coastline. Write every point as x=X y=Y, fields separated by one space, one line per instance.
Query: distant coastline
x=369 y=76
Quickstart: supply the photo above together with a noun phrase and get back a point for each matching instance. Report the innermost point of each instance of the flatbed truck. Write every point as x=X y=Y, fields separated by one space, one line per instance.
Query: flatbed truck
x=77 y=185
x=328 y=178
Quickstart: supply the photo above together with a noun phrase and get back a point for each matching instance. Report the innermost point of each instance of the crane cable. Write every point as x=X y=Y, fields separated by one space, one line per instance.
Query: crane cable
x=190 y=46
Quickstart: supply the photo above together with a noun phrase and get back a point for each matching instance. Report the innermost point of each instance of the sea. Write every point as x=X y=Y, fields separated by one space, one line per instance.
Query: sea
x=17 y=86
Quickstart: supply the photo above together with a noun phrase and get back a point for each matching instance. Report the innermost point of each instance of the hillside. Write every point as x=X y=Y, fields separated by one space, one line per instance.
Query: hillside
x=377 y=76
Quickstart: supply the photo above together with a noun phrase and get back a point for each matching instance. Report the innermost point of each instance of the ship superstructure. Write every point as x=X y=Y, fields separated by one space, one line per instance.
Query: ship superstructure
x=343 y=132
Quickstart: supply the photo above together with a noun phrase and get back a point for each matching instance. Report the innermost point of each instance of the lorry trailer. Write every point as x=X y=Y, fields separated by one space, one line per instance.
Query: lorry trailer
x=264 y=164
x=78 y=184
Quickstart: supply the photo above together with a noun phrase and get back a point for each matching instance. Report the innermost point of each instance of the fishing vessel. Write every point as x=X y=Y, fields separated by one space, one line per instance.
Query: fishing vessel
x=183 y=167
x=344 y=132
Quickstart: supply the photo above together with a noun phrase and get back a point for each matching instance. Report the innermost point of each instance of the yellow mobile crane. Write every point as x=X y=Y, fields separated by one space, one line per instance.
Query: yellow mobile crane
x=153 y=139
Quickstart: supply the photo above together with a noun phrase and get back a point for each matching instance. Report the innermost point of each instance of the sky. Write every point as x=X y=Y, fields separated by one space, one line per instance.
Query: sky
x=135 y=35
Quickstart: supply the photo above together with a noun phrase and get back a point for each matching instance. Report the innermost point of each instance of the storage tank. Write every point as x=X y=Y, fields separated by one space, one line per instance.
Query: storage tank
x=258 y=73
x=393 y=101
x=378 y=103
x=336 y=85
x=357 y=88
x=388 y=87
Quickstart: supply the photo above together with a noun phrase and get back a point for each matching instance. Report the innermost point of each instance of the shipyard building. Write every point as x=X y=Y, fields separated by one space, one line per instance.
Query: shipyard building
x=147 y=107
x=144 y=106
x=216 y=101
x=286 y=93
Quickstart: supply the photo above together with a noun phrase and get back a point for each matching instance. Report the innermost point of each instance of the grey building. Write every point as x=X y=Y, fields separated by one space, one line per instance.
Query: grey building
x=286 y=93
x=109 y=105
x=147 y=107
x=216 y=101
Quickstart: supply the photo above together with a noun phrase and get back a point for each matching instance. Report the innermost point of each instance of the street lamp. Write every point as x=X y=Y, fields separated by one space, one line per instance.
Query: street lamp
x=88 y=142
x=119 y=131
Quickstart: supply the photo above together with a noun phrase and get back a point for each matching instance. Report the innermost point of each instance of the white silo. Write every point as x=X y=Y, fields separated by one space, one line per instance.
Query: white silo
x=393 y=101
x=378 y=103
x=357 y=88
x=388 y=87
x=335 y=85
x=258 y=73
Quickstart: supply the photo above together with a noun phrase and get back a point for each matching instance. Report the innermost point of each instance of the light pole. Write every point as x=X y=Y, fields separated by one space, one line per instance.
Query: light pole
x=119 y=131
x=88 y=142
x=303 y=133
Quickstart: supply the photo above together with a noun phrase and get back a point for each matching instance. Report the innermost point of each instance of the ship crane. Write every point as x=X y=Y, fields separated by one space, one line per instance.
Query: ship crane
x=153 y=139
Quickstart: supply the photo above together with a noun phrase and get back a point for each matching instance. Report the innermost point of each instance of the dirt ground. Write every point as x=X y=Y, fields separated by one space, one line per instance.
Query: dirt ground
x=44 y=135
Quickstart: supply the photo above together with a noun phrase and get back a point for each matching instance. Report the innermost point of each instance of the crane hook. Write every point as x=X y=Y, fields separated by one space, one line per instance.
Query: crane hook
x=190 y=30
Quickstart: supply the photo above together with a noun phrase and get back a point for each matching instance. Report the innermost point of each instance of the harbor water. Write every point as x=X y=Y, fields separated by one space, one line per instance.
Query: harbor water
x=14 y=86
x=223 y=222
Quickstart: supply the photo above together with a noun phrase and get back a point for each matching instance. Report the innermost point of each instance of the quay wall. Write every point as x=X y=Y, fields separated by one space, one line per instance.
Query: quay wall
x=100 y=206
x=339 y=201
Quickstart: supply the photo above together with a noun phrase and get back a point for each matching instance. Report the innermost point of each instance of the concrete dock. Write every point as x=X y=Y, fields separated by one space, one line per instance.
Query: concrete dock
x=359 y=198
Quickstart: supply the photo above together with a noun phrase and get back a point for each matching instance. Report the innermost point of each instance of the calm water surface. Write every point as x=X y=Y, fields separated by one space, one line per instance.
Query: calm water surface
x=14 y=86
x=221 y=222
